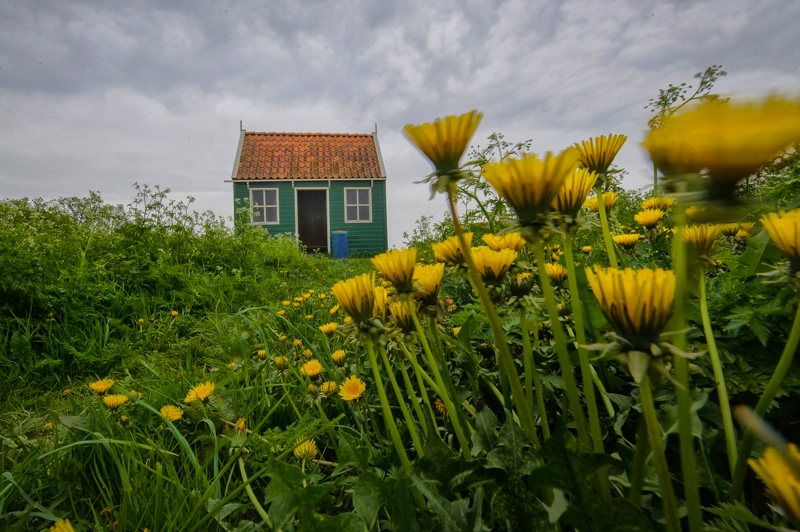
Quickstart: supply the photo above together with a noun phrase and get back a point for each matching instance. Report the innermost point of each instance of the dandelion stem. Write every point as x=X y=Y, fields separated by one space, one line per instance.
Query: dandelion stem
x=639 y=459
x=387 y=412
x=525 y=414
x=659 y=458
x=289 y=397
x=420 y=374
x=764 y=404
x=412 y=394
x=438 y=349
x=403 y=408
x=328 y=428
x=561 y=348
x=601 y=208
x=532 y=374
x=250 y=494
x=719 y=376
x=448 y=403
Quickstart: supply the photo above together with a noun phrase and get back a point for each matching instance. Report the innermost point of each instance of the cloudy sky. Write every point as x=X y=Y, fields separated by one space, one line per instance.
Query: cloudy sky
x=99 y=95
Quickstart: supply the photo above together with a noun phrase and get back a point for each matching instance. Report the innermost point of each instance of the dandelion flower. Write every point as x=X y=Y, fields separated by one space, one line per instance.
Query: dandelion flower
x=262 y=354
x=299 y=299
x=309 y=354
x=102 y=386
x=334 y=309
x=305 y=449
x=398 y=266
x=597 y=154
x=352 y=388
x=297 y=343
x=572 y=194
x=658 y=202
x=174 y=313
x=507 y=241
x=701 y=237
x=287 y=303
x=282 y=338
x=348 y=319
x=637 y=303
x=529 y=184
x=312 y=369
x=444 y=140
x=586 y=249
x=729 y=229
x=742 y=234
x=492 y=264
x=281 y=363
x=339 y=357
x=62 y=525
x=281 y=313
x=402 y=316
x=784 y=229
x=449 y=251
x=200 y=392
x=649 y=218
x=115 y=401
x=428 y=279
x=171 y=412
x=747 y=226
x=310 y=317
x=381 y=302
x=609 y=198
x=136 y=394
x=329 y=328
x=357 y=296
x=780 y=478
x=522 y=284
x=556 y=272
x=456 y=330
x=328 y=387
x=441 y=408
x=627 y=241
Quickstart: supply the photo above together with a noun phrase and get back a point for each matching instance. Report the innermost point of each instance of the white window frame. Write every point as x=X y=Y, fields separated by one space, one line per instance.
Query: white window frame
x=277 y=205
x=369 y=189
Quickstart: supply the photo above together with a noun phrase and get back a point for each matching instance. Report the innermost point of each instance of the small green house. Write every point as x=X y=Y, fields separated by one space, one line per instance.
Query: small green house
x=312 y=184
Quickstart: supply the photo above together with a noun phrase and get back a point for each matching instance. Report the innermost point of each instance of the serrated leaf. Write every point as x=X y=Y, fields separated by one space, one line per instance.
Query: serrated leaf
x=511 y=451
x=370 y=493
x=351 y=455
x=485 y=424
x=613 y=515
x=346 y=522
x=751 y=258
x=452 y=515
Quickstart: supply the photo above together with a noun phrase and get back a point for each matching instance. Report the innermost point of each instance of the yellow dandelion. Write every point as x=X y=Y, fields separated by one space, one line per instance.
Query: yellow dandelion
x=781 y=479
x=529 y=184
x=241 y=425
x=312 y=369
x=507 y=241
x=281 y=313
x=328 y=387
x=381 y=302
x=352 y=388
x=598 y=153
x=298 y=343
x=174 y=313
x=456 y=330
x=296 y=305
x=649 y=218
x=742 y=234
x=572 y=195
x=309 y=354
x=658 y=202
x=115 y=401
x=428 y=280
x=299 y=299
x=637 y=303
x=627 y=241
x=282 y=338
x=402 y=316
x=695 y=213
x=522 y=284
x=449 y=251
x=747 y=226
x=334 y=309
x=261 y=353
x=348 y=319
x=398 y=266
x=729 y=229
x=357 y=296
x=140 y=320
x=329 y=328
x=62 y=525
x=784 y=229
x=556 y=272
x=311 y=292
x=586 y=249
x=48 y=426
x=171 y=412
x=281 y=363
x=492 y=264
x=305 y=449
x=136 y=394
x=339 y=357
x=701 y=237
x=232 y=365
x=102 y=386
x=200 y=392
x=442 y=409
x=287 y=303
x=310 y=317
x=444 y=141
x=609 y=198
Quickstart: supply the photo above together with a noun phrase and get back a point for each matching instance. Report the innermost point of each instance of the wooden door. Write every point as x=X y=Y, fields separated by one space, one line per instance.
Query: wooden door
x=312 y=219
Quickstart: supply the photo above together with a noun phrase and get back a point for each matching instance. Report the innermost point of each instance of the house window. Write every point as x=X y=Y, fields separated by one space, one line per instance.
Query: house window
x=264 y=202
x=357 y=205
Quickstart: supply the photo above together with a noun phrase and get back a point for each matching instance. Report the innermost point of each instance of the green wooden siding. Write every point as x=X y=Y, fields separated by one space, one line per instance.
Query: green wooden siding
x=362 y=237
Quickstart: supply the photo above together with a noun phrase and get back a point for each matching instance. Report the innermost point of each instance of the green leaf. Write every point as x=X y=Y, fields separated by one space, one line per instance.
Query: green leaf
x=511 y=452
x=613 y=515
x=668 y=416
x=465 y=334
x=351 y=455
x=735 y=517
x=452 y=515
x=370 y=493
x=485 y=424
x=347 y=522
x=443 y=466
x=751 y=258
x=20 y=346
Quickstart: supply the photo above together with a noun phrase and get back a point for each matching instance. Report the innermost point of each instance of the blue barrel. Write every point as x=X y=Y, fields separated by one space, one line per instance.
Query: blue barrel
x=339 y=244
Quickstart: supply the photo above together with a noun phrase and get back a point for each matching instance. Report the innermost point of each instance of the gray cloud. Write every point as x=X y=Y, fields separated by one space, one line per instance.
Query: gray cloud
x=96 y=95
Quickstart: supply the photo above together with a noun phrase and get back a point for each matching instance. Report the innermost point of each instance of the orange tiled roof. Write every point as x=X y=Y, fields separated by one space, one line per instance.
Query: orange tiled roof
x=308 y=156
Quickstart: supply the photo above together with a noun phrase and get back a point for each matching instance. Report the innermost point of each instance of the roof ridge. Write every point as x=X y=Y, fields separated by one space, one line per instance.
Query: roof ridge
x=292 y=133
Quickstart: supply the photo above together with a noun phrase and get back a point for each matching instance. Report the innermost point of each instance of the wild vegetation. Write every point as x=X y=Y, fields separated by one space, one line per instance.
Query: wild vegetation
x=579 y=371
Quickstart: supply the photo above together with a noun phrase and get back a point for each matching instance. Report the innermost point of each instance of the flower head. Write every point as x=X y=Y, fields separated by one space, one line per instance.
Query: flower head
x=357 y=296
x=305 y=449
x=309 y=354
x=286 y=303
x=556 y=272
x=658 y=202
x=522 y=284
x=742 y=234
x=637 y=303
x=456 y=330
x=649 y=218
x=572 y=195
x=529 y=184
x=439 y=405
x=329 y=328
x=352 y=388
x=102 y=386
x=492 y=264
x=597 y=154
x=339 y=357
x=747 y=226
x=115 y=401
x=729 y=229
x=328 y=387
x=171 y=412
x=701 y=237
x=297 y=343
x=174 y=313
x=312 y=369
x=627 y=241
x=506 y=241
x=200 y=392
x=781 y=479
x=609 y=198
x=281 y=363
x=428 y=280
x=136 y=394
x=586 y=249
x=334 y=309
x=449 y=251
x=262 y=354
x=695 y=212
x=784 y=229
x=402 y=317
x=62 y=525
x=398 y=266
x=444 y=141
